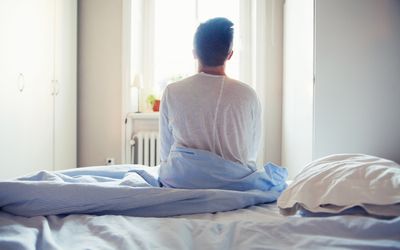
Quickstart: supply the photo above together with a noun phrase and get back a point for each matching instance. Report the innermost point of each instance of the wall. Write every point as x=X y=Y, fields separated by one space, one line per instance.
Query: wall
x=357 y=91
x=99 y=81
x=353 y=105
x=297 y=85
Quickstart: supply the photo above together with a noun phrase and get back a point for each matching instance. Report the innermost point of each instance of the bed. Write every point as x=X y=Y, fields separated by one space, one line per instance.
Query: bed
x=295 y=221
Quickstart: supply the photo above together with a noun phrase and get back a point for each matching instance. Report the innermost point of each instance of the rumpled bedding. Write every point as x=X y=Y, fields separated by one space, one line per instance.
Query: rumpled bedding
x=136 y=190
x=257 y=227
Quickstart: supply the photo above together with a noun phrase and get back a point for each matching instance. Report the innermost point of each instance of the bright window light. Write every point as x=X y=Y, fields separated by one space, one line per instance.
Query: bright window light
x=175 y=22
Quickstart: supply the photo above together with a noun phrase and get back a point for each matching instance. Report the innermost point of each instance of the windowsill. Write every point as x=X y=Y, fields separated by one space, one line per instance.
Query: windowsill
x=144 y=115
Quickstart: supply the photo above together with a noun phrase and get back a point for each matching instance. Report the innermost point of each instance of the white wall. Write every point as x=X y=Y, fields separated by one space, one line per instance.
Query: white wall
x=297 y=85
x=353 y=105
x=99 y=81
x=357 y=91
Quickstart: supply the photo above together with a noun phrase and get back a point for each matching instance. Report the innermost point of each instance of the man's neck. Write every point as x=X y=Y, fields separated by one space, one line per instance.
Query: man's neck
x=212 y=70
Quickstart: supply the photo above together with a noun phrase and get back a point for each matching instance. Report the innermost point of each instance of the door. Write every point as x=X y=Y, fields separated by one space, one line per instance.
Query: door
x=26 y=105
x=65 y=99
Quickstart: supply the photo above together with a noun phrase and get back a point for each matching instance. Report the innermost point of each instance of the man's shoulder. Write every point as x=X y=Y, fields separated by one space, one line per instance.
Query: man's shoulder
x=231 y=85
x=180 y=83
x=240 y=87
x=237 y=83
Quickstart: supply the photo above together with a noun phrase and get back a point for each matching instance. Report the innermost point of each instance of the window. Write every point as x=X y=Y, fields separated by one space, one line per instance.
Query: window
x=162 y=38
x=160 y=48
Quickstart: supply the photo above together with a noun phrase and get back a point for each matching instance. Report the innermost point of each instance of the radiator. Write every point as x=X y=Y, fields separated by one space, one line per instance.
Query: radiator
x=145 y=148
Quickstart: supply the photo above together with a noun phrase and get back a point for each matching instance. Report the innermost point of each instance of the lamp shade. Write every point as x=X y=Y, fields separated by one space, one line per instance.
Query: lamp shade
x=137 y=81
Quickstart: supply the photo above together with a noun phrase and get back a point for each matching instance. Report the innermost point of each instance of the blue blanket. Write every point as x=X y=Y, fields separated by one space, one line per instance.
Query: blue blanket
x=137 y=190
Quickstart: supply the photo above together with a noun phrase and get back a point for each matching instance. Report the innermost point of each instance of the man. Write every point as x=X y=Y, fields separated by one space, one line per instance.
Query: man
x=208 y=114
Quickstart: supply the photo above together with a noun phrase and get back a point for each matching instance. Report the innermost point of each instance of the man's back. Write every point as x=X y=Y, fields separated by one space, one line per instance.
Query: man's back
x=212 y=113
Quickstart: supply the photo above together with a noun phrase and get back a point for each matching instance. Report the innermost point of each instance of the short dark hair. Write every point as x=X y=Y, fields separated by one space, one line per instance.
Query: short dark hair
x=213 y=41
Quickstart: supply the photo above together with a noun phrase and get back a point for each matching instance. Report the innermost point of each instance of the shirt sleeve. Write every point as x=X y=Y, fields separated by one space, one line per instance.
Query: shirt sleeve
x=256 y=133
x=166 y=138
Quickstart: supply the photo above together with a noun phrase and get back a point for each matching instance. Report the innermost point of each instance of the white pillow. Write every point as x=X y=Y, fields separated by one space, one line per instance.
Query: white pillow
x=338 y=182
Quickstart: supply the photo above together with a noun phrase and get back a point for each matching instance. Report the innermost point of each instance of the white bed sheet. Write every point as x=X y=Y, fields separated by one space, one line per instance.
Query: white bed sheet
x=257 y=227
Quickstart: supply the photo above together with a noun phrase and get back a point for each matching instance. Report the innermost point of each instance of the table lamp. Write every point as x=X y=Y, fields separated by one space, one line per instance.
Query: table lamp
x=138 y=83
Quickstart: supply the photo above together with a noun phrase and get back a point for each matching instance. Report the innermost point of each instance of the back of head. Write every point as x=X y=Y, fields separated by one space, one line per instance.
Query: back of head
x=213 y=41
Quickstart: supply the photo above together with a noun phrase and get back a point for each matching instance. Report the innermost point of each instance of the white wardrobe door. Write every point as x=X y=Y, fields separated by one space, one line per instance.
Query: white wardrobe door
x=65 y=122
x=26 y=100
x=11 y=80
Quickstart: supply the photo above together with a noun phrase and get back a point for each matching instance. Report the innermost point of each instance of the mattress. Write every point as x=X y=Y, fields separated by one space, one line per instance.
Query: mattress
x=255 y=227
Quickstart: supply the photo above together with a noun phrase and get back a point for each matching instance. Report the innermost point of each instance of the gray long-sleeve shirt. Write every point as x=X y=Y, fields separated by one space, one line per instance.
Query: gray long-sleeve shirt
x=213 y=113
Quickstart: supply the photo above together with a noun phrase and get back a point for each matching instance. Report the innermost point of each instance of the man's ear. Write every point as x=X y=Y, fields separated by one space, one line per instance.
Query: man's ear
x=229 y=55
x=195 y=54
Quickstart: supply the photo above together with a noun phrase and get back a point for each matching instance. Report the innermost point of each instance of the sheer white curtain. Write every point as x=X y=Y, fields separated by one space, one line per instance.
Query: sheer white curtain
x=266 y=71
